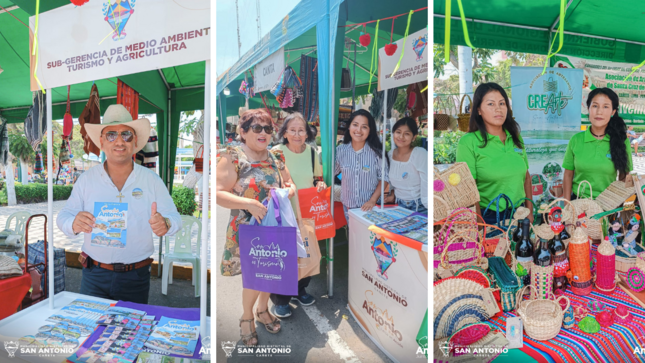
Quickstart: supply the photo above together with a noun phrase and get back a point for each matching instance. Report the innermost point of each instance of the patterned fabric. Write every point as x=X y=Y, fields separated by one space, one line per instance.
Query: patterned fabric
x=4 y=141
x=254 y=180
x=147 y=156
x=38 y=168
x=309 y=77
x=613 y=344
x=37 y=255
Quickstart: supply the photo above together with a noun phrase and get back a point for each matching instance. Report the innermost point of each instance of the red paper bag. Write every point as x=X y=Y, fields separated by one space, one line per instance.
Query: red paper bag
x=315 y=206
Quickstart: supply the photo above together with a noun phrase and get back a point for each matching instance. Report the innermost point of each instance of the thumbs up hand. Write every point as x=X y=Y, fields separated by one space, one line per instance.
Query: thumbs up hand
x=157 y=222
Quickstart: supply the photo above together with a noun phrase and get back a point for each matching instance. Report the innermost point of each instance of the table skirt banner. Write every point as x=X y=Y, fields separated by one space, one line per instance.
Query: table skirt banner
x=388 y=290
x=616 y=343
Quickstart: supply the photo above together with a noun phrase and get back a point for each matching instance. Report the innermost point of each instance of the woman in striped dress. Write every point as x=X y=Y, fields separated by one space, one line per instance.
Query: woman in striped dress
x=359 y=159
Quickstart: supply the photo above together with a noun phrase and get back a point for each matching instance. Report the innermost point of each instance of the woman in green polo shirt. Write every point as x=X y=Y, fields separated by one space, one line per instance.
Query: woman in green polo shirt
x=494 y=151
x=599 y=153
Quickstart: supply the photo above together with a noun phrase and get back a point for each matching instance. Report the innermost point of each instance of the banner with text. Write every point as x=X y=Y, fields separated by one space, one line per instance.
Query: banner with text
x=414 y=65
x=102 y=40
x=598 y=74
x=547 y=107
x=269 y=71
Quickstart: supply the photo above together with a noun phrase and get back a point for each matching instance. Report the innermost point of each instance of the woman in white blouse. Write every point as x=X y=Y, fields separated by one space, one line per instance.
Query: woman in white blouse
x=408 y=168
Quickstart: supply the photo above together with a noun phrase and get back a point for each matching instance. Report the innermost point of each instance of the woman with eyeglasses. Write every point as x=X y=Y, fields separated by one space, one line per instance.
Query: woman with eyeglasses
x=359 y=159
x=245 y=176
x=306 y=172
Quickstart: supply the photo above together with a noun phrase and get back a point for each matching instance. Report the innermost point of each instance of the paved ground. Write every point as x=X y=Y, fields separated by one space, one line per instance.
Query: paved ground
x=323 y=332
x=61 y=240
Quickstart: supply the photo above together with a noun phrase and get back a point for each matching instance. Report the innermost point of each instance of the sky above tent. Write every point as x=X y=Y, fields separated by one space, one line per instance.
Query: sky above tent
x=270 y=16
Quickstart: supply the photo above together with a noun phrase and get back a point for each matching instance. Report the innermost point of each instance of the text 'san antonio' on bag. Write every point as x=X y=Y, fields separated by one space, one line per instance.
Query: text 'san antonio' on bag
x=315 y=205
x=269 y=256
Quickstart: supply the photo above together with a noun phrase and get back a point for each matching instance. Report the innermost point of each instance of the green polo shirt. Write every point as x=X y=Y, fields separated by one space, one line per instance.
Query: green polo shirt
x=590 y=159
x=497 y=168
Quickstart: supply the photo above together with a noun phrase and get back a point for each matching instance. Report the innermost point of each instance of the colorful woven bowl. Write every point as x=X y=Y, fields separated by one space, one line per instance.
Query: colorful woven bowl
x=589 y=325
x=596 y=306
x=622 y=315
x=605 y=319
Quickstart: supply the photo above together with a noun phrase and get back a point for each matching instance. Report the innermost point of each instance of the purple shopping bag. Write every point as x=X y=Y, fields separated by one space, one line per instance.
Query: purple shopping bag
x=269 y=256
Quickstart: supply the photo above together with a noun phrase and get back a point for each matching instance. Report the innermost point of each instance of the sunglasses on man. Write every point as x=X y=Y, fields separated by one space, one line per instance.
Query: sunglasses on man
x=127 y=136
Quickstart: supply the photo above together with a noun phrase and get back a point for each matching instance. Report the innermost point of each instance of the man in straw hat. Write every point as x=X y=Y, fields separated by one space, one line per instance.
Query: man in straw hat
x=116 y=252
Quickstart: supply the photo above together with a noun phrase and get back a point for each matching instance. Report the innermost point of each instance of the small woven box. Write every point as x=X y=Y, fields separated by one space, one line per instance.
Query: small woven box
x=542 y=281
x=506 y=280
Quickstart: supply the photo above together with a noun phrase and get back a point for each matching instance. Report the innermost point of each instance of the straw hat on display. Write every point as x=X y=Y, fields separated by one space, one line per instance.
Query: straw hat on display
x=622 y=315
x=521 y=213
x=605 y=319
x=118 y=115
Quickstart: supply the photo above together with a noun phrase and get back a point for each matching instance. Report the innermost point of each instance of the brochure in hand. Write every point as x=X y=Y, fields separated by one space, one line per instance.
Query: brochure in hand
x=111 y=225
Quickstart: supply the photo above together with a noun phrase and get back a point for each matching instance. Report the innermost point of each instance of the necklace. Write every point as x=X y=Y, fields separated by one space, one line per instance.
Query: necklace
x=105 y=166
x=596 y=136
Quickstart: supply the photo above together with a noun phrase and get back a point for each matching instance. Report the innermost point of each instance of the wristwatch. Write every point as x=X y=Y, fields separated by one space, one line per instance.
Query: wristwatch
x=168 y=223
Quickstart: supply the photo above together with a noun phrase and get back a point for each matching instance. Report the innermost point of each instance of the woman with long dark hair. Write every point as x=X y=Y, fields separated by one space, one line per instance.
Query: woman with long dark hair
x=409 y=168
x=601 y=152
x=494 y=151
x=359 y=159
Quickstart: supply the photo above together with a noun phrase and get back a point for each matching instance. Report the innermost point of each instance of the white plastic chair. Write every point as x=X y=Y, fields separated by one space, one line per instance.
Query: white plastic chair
x=183 y=252
x=21 y=224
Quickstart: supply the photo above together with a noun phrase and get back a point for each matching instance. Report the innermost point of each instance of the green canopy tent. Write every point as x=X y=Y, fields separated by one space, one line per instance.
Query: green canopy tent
x=592 y=28
x=165 y=92
x=328 y=31
x=162 y=92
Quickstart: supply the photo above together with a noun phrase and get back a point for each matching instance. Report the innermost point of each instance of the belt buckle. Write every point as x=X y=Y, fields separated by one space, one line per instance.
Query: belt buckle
x=119 y=267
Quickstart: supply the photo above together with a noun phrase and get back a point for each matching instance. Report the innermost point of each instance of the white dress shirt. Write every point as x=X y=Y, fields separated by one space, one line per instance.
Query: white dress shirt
x=141 y=188
x=410 y=179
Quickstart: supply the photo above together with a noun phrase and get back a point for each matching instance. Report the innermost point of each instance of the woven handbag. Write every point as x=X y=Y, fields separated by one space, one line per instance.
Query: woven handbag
x=503 y=220
x=506 y=280
x=461 y=251
x=460 y=219
x=441 y=209
x=456 y=186
x=464 y=118
x=590 y=208
x=542 y=318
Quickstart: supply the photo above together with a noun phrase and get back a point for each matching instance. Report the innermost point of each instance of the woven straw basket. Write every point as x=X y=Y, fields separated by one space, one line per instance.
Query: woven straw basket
x=542 y=318
x=441 y=121
x=464 y=118
x=590 y=208
x=542 y=281
x=623 y=261
x=456 y=186
x=441 y=209
x=471 y=253
x=460 y=220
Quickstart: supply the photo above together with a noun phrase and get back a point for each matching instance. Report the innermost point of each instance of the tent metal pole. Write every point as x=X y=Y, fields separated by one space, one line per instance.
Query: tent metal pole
x=189 y=87
x=50 y=199
x=354 y=82
x=205 y=207
x=330 y=247
x=163 y=78
x=558 y=18
x=383 y=155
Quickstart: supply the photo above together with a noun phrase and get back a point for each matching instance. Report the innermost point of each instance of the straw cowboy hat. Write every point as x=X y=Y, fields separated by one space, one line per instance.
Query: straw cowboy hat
x=119 y=115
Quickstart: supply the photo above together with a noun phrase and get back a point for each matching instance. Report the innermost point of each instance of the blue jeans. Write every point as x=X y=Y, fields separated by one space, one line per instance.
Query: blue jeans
x=414 y=205
x=277 y=299
x=132 y=286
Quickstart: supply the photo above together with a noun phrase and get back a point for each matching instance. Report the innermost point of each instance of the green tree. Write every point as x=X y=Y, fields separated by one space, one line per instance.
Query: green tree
x=19 y=146
x=483 y=70
x=189 y=121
